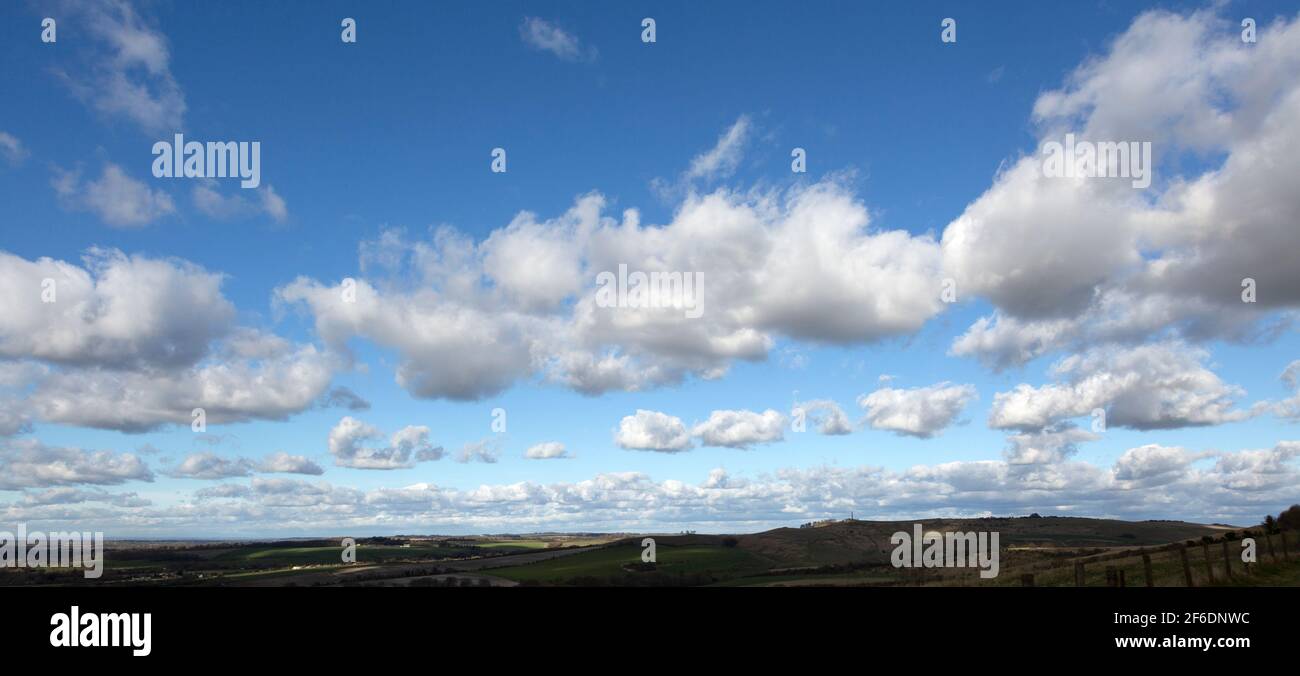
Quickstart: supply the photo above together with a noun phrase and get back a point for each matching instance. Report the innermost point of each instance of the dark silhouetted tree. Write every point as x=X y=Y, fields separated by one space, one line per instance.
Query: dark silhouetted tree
x=1290 y=519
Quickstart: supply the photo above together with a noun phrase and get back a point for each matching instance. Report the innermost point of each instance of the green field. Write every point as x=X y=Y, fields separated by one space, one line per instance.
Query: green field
x=299 y=556
x=719 y=561
x=514 y=544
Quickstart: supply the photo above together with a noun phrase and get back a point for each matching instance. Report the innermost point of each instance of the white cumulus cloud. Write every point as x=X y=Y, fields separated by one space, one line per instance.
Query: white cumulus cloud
x=740 y=429
x=919 y=411
x=652 y=431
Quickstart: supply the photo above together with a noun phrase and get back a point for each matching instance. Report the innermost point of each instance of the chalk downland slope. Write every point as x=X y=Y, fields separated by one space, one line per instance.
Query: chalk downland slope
x=852 y=541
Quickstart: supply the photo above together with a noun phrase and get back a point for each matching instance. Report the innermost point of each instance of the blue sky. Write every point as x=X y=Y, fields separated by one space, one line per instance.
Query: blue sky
x=368 y=149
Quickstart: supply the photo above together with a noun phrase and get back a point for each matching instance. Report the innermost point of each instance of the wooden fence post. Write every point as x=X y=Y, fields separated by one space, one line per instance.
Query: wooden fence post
x=1079 y=579
x=1146 y=570
x=1268 y=537
x=1286 y=554
x=1027 y=580
x=1209 y=569
x=1227 y=560
x=1187 y=566
x=1121 y=577
x=1112 y=577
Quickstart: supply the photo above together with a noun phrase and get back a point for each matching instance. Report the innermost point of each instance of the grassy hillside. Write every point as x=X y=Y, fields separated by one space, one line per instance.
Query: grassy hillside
x=674 y=559
x=855 y=552
x=845 y=542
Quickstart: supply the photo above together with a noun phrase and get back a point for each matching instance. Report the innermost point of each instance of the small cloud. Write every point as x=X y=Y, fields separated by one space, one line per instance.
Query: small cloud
x=720 y=161
x=127 y=70
x=283 y=463
x=478 y=451
x=12 y=149
x=342 y=397
x=210 y=201
x=406 y=447
x=918 y=412
x=545 y=36
x=827 y=415
x=723 y=158
x=793 y=358
x=116 y=198
x=741 y=429
x=273 y=204
x=996 y=74
x=653 y=431
x=1291 y=375
x=547 y=451
x=210 y=466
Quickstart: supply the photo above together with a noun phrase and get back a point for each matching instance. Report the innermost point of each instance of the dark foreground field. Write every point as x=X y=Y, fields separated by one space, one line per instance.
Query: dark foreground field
x=1042 y=551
